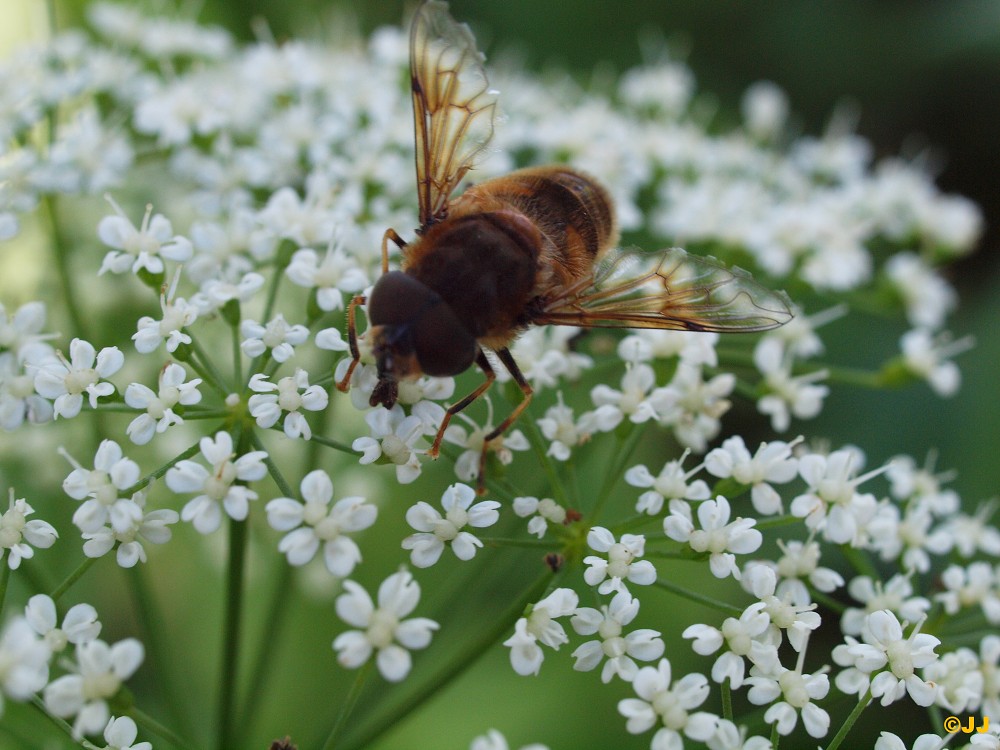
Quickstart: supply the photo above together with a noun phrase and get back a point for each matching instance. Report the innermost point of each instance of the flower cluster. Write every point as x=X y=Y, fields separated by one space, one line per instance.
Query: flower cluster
x=626 y=485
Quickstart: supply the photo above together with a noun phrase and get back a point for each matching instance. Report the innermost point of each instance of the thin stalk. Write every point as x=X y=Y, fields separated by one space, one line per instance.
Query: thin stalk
x=348 y=706
x=721 y=606
x=534 y=436
x=232 y=633
x=156 y=474
x=161 y=660
x=150 y=725
x=727 y=700
x=204 y=366
x=4 y=580
x=620 y=458
x=72 y=578
x=61 y=253
x=845 y=728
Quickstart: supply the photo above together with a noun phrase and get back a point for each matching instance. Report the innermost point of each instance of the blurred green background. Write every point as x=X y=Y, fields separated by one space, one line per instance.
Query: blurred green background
x=925 y=74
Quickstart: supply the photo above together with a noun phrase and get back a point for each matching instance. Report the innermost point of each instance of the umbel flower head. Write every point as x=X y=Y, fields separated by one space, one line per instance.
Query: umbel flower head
x=242 y=278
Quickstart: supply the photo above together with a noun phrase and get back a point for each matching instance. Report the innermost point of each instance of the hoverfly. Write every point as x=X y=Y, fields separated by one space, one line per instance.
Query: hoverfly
x=530 y=248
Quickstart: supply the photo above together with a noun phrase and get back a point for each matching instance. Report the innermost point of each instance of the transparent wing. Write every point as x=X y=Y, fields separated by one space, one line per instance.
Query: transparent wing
x=668 y=289
x=453 y=105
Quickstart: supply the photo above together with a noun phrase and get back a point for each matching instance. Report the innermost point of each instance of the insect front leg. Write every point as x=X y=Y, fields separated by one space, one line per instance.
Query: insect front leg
x=390 y=234
x=352 y=341
x=484 y=365
x=508 y=361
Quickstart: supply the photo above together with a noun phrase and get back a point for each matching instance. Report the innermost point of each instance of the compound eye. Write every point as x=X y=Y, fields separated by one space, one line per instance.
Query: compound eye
x=443 y=344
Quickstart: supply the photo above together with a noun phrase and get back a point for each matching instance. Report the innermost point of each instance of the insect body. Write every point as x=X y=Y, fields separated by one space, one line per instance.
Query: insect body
x=529 y=248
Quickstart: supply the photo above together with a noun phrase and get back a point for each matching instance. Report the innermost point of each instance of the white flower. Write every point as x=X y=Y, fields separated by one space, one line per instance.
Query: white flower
x=333 y=275
x=772 y=463
x=889 y=741
x=98 y=675
x=559 y=426
x=215 y=293
x=832 y=503
x=160 y=414
x=966 y=587
x=216 y=488
x=67 y=381
x=786 y=395
x=621 y=564
x=467 y=463
x=927 y=356
x=80 y=625
x=717 y=536
x=907 y=537
x=896 y=595
x=120 y=734
x=796 y=620
x=17 y=534
x=178 y=314
x=797 y=691
x=100 y=489
x=800 y=560
x=314 y=523
x=539 y=626
x=383 y=629
x=277 y=336
x=435 y=530
x=24 y=661
x=691 y=406
x=620 y=649
x=928 y=298
x=544 y=356
x=142 y=248
x=393 y=436
x=885 y=648
x=542 y=511
x=668 y=703
x=765 y=109
x=149 y=526
x=960 y=681
x=741 y=637
x=271 y=399
x=670 y=484
x=632 y=400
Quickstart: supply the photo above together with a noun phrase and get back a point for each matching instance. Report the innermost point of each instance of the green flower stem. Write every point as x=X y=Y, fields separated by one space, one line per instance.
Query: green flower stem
x=4 y=580
x=778 y=522
x=160 y=659
x=72 y=578
x=232 y=633
x=827 y=601
x=266 y=651
x=63 y=726
x=727 y=700
x=546 y=544
x=202 y=364
x=721 y=606
x=151 y=726
x=775 y=737
x=272 y=468
x=237 y=354
x=419 y=691
x=348 y=705
x=860 y=562
x=534 y=436
x=330 y=443
x=621 y=457
x=61 y=251
x=845 y=728
x=153 y=476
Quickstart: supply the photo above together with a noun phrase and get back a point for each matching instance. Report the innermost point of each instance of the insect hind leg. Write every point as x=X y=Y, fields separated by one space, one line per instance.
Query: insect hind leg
x=508 y=362
x=390 y=234
x=352 y=341
x=484 y=365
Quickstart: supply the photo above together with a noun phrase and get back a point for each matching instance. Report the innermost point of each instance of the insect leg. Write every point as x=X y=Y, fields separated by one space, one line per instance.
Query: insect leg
x=352 y=341
x=508 y=361
x=390 y=234
x=484 y=365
